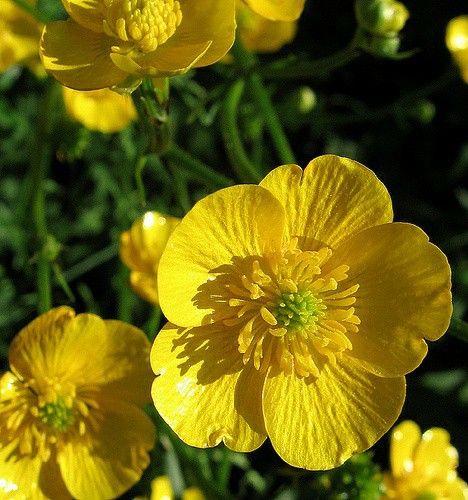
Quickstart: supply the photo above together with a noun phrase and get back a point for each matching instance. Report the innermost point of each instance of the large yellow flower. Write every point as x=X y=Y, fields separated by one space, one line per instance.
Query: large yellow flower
x=456 y=39
x=70 y=417
x=260 y=34
x=296 y=308
x=141 y=248
x=423 y=467
x=105 y=42
x=101 y=110
x=19 y=37
x=277 y=10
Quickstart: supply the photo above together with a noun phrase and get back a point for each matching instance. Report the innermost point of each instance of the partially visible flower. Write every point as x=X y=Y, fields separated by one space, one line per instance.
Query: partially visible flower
x=423 y=467
x=277 y=10
x=161 y=489
x=298 y=307
x=115 y=43
x=260 y=34
x=457 y=42
x=19 y=37
x=102 y=110
x=71 y=423
x=141 y=248
x=381 y=17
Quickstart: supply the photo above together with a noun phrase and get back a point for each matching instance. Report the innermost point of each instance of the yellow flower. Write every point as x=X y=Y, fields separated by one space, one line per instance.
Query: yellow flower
x=105 y=43
x=260 y=34
x=70 y=417
x=19 y=37
x=296 y=308
x=277 y=10
x=102 y=110
x=457 y=42
x=161 y=489
x=423 y=467
x=141 y=248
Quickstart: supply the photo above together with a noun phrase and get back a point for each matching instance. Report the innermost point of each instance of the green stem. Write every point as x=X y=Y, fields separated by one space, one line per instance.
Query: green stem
x=224 y=471
x=244 y=168
x=180 y=188
x=152 y=325
x=196 y=168
x=247 y=61
x=91 y=262
x=140 y=166
x=292 y=70
x=152 y=105
x=40 y=161
x=459 y=329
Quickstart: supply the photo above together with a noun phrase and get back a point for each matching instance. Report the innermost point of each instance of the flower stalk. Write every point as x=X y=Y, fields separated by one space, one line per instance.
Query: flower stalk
x=40 y=161
x=246 y=60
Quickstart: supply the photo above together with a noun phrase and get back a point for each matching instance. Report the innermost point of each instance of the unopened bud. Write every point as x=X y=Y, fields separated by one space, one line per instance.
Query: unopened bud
x=456 y=39
x=381 y=17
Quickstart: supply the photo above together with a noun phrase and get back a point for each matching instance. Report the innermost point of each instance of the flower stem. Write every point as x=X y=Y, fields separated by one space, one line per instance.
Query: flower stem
x=196 y=168
x=459 y=329
x=247 y=61
x=180 y=187
x=292 y=69
x=40 y=160
x=245 y=169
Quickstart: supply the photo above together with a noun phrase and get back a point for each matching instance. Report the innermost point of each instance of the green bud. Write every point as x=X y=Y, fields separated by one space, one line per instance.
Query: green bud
x=378 y=46
x=385 y=18
x=51 y=248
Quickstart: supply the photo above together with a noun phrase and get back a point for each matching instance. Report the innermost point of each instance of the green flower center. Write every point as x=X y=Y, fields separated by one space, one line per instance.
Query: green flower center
x=57 y=415
x=298 y=311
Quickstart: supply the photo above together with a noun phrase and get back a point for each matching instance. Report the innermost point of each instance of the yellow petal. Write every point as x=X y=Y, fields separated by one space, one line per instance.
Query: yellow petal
x=193 y=493
x=330 y=200
x=79 y=58
x=173 y=58
x=115 y=458
x=456 y=39
x=101 y=110
x=435 y=458
x=142 y=245
x=109 y=353
x=277 y=10
x=238 y=221
x=203 y=391
x=87 y=13
x=404 y=440
x=318 y=423
x=259 y=34
x=210 y=20
x=19 y=475
x=50 y=481
x=403 y=296
x=161 y=489
x=20 y=34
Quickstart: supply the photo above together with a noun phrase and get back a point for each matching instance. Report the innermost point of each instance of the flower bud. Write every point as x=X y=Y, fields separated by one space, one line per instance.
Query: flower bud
x=381 y=17
x=456 y=40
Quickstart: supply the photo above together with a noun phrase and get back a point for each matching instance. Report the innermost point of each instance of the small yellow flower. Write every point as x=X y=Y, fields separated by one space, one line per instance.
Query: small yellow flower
x=457 y=42
x=277 y=10
x=423 y=467
x=102 y=110
x=260 y=34
x=106 y=43
x=161 y=489
x=19 y=37
x=297 y=306
x=70 y=417
x=141 y=248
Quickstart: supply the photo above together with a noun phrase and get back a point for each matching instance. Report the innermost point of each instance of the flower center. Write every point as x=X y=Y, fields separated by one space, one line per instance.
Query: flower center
x=57 y=415
x=293 y=310
x=298 y=311
x=147 y=24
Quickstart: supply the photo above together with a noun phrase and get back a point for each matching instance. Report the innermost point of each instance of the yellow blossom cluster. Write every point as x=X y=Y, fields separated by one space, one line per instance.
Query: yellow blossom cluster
x=297 y=305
